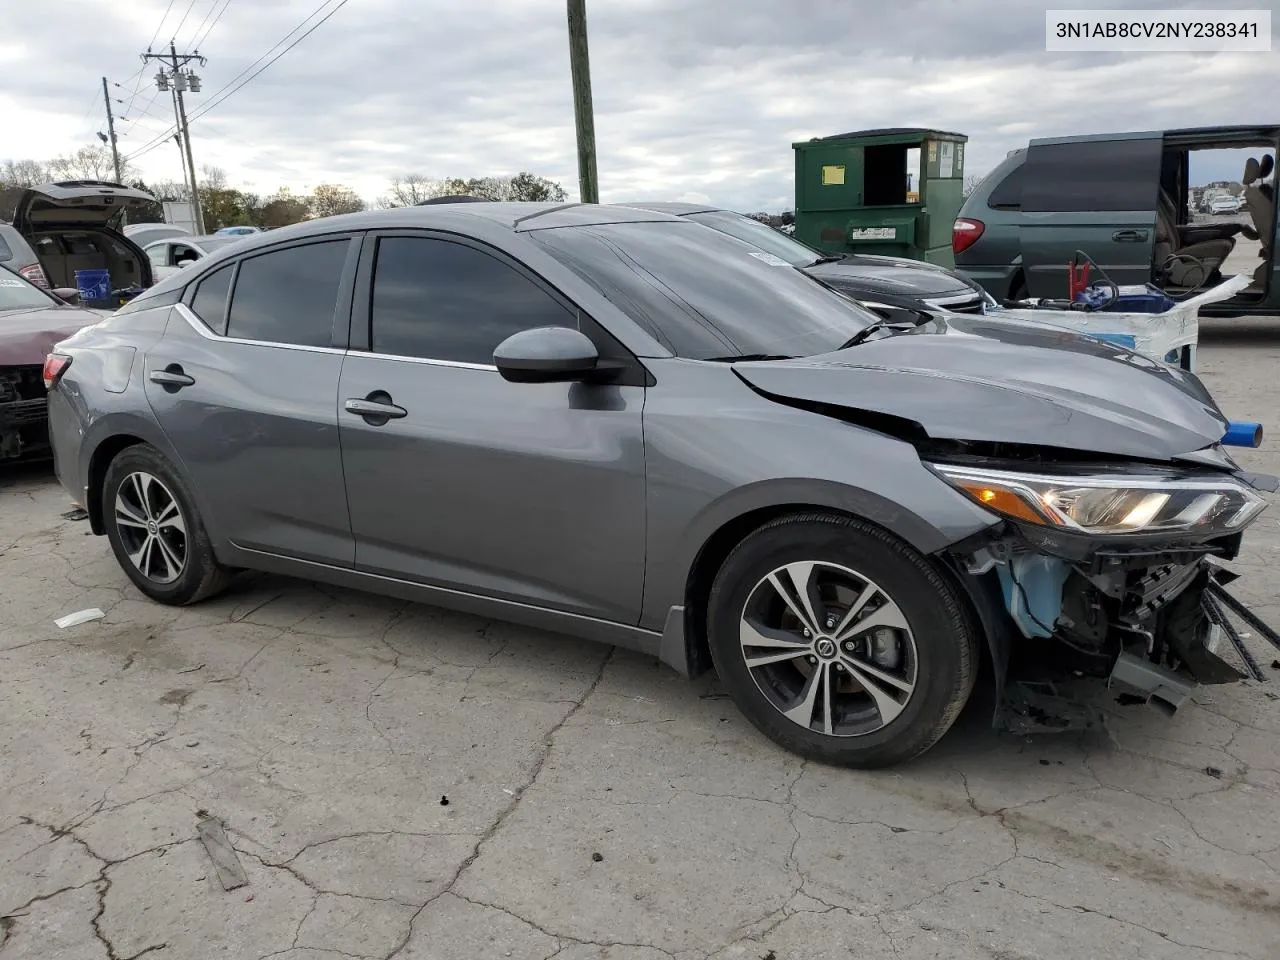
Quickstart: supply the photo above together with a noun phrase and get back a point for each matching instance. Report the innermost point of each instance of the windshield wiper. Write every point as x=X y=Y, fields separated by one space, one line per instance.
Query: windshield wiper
x=879 y=325
x=744 y=357
x=836 y=258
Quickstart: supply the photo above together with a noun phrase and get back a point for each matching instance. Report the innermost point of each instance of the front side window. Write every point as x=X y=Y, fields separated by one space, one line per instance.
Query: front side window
x=159 y=255
x=439 y=300
x=289 y=296
x=704 y=294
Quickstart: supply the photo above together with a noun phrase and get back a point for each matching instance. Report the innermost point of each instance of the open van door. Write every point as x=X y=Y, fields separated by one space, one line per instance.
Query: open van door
x=1095 y=194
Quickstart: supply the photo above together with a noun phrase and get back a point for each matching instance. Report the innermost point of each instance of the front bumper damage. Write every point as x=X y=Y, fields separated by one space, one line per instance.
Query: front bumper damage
x=1152 y=622
x=24 y=407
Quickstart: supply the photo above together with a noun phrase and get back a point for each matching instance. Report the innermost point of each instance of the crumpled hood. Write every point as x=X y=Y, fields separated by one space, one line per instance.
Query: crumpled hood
x=890 y=276
x=27 y=336
x=983 y=379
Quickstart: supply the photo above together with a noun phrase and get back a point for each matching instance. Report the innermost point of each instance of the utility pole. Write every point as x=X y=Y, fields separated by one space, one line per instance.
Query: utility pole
x=583 y=114
x=179 y=79
x=111 y=130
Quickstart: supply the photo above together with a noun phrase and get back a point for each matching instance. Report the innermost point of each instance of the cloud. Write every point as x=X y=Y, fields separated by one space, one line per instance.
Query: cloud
x=691 y=99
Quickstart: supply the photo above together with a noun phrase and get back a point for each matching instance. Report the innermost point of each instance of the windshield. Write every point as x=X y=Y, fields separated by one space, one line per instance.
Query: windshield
x=17 y=294
x=758 y=234
x=704 y=294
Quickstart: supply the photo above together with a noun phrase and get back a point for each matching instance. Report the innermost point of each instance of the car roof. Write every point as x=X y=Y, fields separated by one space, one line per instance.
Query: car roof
x=515 y=216
x=676 y=208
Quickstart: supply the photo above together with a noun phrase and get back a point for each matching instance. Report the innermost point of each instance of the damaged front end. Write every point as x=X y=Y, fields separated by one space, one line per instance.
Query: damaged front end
x=23 y=413
x=1106 y=570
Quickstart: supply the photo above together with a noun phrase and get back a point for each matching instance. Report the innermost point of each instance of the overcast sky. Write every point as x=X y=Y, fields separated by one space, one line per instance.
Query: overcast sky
x=696 y=98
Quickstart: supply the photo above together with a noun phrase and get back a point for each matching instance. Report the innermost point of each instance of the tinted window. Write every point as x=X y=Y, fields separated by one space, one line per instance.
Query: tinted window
x=1095 y=175
x=289 y=296
x=1008 y=192
x=708 y=294
x=210 y=300
x=17 y=294
x=446 y=301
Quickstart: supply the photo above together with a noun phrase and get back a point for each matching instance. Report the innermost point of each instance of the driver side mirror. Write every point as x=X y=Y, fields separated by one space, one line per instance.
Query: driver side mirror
x=546 y=355
x=69 y=294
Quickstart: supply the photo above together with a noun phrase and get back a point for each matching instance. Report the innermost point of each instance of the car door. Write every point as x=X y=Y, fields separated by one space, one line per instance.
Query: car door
x=244 y=383
x=1097 y=196
x=458 y=478
x=160 y=256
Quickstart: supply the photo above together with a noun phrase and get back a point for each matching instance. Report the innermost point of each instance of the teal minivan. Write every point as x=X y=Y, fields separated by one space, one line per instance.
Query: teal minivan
x=1121 y=199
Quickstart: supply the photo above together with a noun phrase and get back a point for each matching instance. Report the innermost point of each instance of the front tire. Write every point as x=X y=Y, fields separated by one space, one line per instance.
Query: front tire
x=840 y=642
x=155 y=530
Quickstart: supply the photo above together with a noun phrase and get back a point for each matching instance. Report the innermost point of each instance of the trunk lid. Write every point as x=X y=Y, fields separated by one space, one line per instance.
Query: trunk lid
x=80 y=203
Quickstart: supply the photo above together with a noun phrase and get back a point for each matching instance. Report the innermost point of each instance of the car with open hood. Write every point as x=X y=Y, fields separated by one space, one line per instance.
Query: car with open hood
x=892 y=281
x=622 y=425
x=32 y=320
x=75 y=225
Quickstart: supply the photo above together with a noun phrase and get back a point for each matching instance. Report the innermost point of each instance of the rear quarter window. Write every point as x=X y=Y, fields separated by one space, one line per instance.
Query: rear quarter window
x=1007 y=194
x=1094 y=175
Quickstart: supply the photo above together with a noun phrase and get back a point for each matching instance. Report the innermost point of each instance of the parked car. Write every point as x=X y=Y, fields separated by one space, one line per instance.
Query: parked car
x=143 y=234
x=32 y=320
x=1225 y=204
x=622 y=425
x=1122 y=199
x=73 y=225
x=239 y=231
x=17 y=255
x=893 y=281
x=170 y=256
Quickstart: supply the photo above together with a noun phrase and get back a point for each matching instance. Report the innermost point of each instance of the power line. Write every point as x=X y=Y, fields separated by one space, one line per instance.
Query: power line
x=178 y=28
x=229 y=90
x=201 y=33
x=159 y=26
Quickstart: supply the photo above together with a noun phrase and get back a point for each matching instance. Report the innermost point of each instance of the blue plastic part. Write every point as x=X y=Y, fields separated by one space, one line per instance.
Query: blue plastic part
x=1242 y=433
x=1127 y=340
x=1144 y=298
x=1032 y=588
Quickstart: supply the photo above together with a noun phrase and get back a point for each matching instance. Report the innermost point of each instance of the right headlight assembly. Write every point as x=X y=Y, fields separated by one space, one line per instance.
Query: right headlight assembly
x=1109 y=504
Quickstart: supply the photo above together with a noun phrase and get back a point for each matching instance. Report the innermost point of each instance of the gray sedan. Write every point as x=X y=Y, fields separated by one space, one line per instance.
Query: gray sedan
x=623 y=425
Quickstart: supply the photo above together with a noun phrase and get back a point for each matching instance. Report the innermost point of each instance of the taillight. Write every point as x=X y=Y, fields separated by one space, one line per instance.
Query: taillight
x=965 y=233
x=35 y=273
x=55 y=365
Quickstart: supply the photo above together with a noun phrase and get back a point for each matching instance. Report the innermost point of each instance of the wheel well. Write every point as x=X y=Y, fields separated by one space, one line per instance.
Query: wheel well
x=707 y=564
x=721 y=543
x=107 y=451
x=1018 y=284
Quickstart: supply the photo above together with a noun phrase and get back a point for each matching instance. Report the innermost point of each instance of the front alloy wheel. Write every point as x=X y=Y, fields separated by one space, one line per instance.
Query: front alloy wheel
x=829 y=648
x=839 y=641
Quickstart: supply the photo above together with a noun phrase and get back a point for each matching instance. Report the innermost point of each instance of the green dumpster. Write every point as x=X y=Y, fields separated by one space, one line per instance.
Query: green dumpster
x=895 y=192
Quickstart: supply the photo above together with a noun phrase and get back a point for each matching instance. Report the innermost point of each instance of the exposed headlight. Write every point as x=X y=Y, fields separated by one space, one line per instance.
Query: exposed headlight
x=1116 y=504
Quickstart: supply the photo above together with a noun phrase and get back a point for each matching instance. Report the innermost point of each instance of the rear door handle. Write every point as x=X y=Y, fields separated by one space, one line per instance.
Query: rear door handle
x=374 y=408
x=171 y=376
x=1129 y=236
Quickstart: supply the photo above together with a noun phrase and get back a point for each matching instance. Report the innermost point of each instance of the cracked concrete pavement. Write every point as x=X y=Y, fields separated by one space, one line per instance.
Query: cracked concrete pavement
x=404 y=782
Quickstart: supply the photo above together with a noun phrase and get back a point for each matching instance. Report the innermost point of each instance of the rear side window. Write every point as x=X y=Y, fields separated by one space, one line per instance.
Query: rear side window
x=1008 y=192
x=210 y=300
x=289 y=296
x=1097 y=175
x=437 y=300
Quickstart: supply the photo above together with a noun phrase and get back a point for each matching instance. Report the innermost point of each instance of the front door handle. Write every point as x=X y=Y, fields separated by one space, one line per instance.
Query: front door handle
x=172 y=376
x=1129 y=236
x=376 y=408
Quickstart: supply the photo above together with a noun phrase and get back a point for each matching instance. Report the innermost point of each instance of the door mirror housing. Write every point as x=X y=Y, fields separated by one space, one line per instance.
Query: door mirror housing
x=69 y=294
x=547 y=355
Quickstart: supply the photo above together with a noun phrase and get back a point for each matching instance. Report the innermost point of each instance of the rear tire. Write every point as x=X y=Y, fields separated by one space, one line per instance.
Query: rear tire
x=155 y=530
x=888 y=665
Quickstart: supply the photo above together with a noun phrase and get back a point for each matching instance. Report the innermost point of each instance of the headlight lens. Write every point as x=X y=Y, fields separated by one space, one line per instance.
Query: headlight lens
x=1109 y=504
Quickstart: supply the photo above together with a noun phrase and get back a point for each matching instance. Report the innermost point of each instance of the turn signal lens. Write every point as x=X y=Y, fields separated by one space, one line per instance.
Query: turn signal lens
x=1001 y=500
x=55 y=365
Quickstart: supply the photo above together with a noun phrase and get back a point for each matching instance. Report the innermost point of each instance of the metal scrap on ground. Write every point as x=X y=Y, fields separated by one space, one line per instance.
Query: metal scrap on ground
x=230 y=872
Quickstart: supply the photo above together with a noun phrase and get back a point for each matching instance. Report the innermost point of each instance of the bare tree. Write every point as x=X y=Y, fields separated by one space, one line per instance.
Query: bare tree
x=409 y=189
x=970 y=184
x=23 y=173
x=331 y=199
x=92 y=162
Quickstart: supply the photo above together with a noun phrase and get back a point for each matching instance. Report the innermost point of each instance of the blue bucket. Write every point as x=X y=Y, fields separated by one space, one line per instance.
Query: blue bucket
x=94 y=285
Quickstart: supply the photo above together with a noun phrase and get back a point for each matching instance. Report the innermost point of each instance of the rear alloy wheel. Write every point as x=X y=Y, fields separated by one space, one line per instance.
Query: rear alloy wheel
x=155 y=530
x=839 y=642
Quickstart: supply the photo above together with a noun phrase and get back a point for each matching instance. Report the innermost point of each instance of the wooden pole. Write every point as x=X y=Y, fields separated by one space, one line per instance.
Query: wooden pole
x=583 y=114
